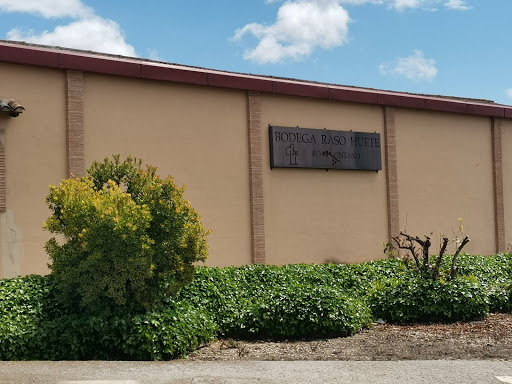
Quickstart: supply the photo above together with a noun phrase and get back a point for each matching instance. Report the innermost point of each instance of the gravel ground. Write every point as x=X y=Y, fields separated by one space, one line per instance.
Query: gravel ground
x=489 y=339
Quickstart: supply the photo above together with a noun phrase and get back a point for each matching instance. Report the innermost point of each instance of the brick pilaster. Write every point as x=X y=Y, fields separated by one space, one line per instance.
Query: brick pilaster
x=256 y=178
x=391 y=172
x=497 y=172
x=75 y=123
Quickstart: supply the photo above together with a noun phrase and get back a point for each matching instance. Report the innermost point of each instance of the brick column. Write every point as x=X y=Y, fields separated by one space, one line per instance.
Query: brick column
x=75 y=123
x=256 y=178
x=497 y=173
x=391 y=172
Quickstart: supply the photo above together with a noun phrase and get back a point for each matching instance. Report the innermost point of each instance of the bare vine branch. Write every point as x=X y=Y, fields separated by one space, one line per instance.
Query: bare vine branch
x=409 y=245
x=421 y=254
x=435 y=272
x=454 y=260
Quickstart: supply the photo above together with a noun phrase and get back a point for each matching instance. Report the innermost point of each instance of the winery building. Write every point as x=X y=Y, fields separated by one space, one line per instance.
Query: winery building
x=281 y=170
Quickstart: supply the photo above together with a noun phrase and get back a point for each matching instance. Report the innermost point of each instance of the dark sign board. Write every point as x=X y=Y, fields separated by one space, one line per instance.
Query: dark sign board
x=324 y=149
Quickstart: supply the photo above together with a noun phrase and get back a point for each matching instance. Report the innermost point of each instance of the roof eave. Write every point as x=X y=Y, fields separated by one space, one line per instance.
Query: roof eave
x=53 y=57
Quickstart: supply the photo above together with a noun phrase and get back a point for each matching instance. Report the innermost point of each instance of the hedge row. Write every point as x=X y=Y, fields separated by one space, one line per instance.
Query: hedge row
x=34 y=326
x=294 y=301
x=259 y=301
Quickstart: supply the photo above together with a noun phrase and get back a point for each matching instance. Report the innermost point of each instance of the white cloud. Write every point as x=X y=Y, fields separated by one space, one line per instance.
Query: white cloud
x=47 y=8
x=415 y=67
x=508 y=92
x=350 y=2
x=300 y=28
x=361 y=2
x=93 y=33
x=305 y=25
x=402 y=5
x=87 y=31
x=458 y=5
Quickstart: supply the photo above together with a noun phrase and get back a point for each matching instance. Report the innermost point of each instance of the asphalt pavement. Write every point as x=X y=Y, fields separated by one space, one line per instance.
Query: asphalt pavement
x=261 y=372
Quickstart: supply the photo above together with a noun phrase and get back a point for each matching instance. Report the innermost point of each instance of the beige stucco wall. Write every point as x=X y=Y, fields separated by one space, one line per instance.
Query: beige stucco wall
x=199 y=135
x=35 y=157
x=196 y=134
x=507 y=180
x=314 y=216
x=445 y=172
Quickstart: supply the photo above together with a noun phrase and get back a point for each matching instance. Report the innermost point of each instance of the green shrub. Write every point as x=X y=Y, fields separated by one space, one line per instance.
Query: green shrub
x=35 y=326
x=129 y=235
x=158 y=334
x=23 y=301
x=357 y=279
x=108 y=252
x=169 y=333
x=298 y=311
x=411 y=298
x=283 y=302
x=500 y=298
x=217 y=292
x=495 y=274
x=254 y=301
x=489 y=269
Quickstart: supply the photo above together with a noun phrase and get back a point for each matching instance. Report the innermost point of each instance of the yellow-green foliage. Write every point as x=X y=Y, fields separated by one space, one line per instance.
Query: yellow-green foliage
x=138 y=244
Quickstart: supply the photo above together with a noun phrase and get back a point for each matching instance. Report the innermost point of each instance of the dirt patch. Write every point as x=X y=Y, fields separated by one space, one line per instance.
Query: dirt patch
x=487 y=339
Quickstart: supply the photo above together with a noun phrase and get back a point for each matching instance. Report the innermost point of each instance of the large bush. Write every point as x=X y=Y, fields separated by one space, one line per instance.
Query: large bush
x=130 y=236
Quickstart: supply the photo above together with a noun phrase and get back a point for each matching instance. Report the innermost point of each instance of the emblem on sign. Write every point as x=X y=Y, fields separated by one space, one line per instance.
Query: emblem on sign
x=290 y=151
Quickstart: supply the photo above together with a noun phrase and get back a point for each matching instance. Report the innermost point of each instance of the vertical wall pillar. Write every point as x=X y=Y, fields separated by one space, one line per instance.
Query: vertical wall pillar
x=256 y=178
x=497 y=172
x=75 y=123
x=391 y=172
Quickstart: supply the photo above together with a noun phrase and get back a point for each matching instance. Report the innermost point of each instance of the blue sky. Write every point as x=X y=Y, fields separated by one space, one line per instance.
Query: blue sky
x=447 y=47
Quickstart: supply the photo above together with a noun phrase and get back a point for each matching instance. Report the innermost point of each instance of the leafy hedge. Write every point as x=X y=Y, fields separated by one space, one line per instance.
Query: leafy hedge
x=484 y=285
x=294 y=301
x=310 y=311
x=34 y=326
x=495 y=275
x=411 y=298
